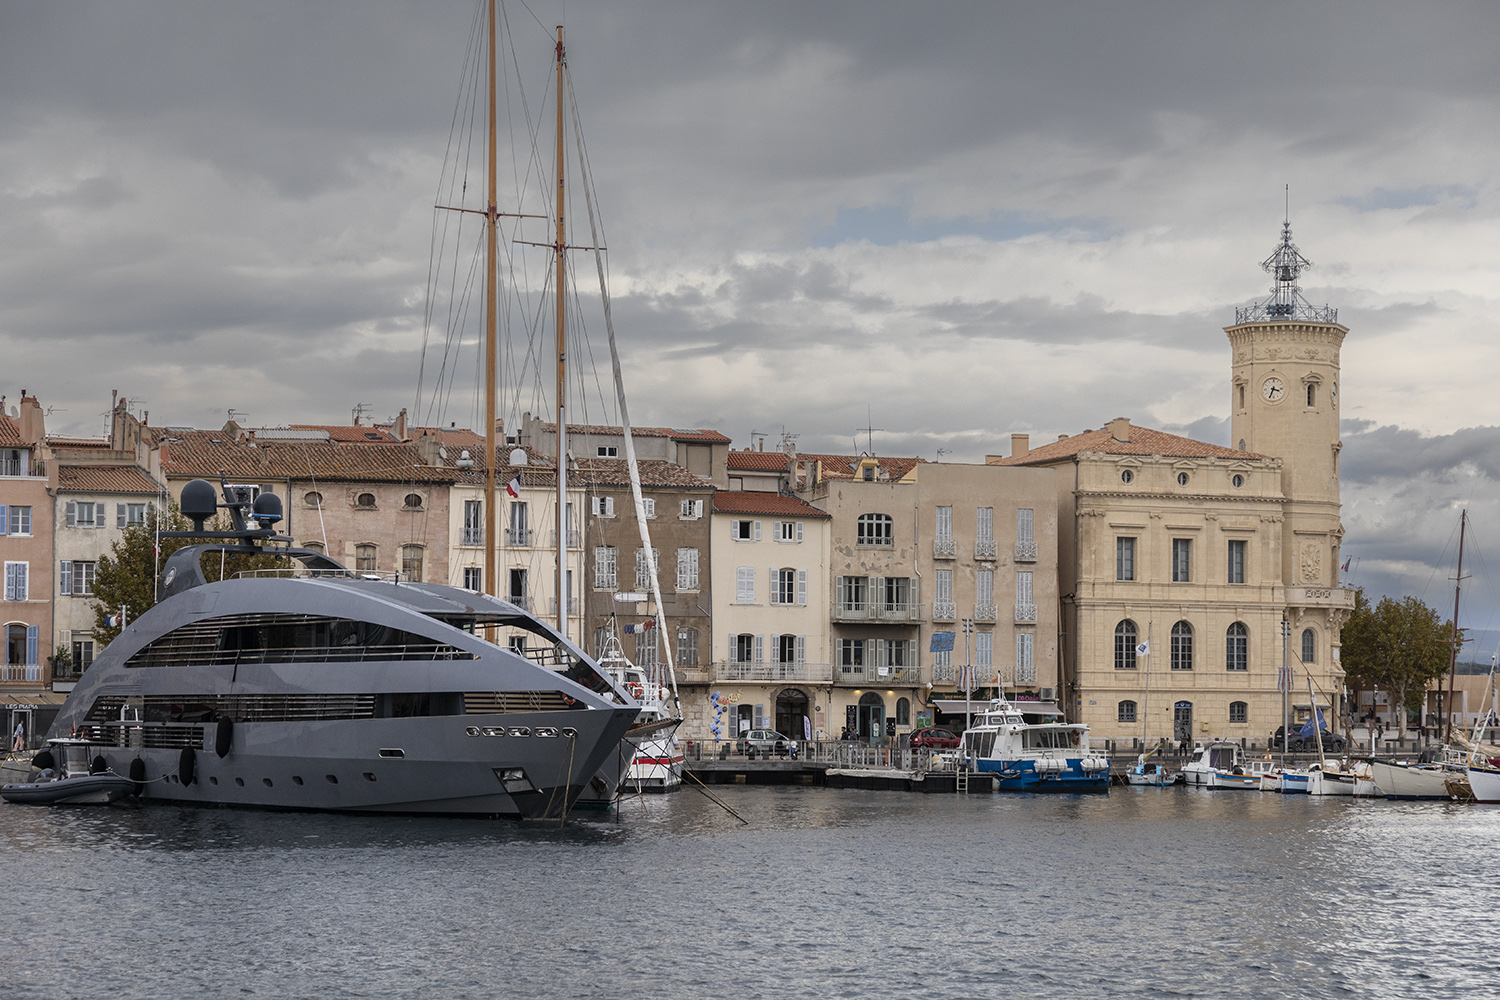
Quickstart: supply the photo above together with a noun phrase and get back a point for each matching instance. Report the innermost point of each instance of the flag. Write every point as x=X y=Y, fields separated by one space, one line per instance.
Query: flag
x=1144 y=649
x=113 y=621
x=1345 y=567
x=1309 y=726
x=513 y=488
x=1284 y=680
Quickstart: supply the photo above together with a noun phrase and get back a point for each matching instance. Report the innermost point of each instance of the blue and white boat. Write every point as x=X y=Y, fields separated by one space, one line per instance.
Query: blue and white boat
x=1033 y=756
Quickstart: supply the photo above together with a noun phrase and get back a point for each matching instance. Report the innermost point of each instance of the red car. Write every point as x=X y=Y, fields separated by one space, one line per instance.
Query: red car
x=933 y=739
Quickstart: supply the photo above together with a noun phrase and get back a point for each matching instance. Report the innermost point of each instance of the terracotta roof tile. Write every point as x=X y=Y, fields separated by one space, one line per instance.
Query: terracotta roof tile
x=350 y=435
x=757 y=461
x=1143 y=441
x=774 y=504
x=104 y=479
x=206 y=453
x=10 y=434
x=675 y=433
x=843 y=466
x=615 y=472
x=65 y=442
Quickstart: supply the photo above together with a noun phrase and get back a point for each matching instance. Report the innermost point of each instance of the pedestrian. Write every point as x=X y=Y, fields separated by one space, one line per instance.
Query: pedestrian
x=19 y=742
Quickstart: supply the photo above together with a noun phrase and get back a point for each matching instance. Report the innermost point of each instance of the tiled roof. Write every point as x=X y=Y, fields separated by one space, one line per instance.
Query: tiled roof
x=773 y=504
x=843 y=466
x=10 y=434
x=615 y=472
x=1143 y=441
x=104 y=479
x=757 y=461
x=351 y=435
x=675 y=433
x=206 y=453
x=63 y=442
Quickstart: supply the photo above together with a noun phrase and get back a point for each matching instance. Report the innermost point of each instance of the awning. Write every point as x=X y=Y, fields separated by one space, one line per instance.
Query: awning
x=955 y=706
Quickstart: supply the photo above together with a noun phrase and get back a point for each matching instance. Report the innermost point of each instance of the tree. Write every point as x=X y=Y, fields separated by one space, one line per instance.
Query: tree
x=127 y=576
x=1397 y=646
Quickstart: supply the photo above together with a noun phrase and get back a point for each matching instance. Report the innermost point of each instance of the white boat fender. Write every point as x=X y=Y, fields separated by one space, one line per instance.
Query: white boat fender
x=187 y=764
x=224 y=738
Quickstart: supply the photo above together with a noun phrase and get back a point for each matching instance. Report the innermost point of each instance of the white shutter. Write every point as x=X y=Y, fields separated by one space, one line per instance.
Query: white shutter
x=760 y=647
x=744 y=585
x=99 y=515
x=649 y=504
x=21 y=570
x=1024 y=524
x=72 y=521
x=734 y=647
x=802 y=587
x=755 y=531
x=801 y=649
x=799 y=531
x=65 y=577
x=1023 y=588
x=775 y=578
x=697 y=508
x=609 y=506
x=986 y=587
x=945 y=522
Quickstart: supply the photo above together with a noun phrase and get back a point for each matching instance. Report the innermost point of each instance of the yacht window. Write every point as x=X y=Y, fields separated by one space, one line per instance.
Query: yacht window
x=279 y=638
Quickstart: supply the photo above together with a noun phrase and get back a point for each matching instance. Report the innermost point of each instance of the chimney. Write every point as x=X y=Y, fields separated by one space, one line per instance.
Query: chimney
x=400 y=429
x=1020 y=445
x=1119 y=428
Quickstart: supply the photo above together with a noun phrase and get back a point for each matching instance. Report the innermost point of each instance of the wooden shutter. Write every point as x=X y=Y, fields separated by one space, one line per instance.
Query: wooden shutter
x=802 y=587
x=755 y=531
x=119 y=515
x=775 y=579
x=799 y=531
x=760 y=648
x=4 y=519
x=801 y=649
x=31 y=648
x=65 y=577
x=72 y=518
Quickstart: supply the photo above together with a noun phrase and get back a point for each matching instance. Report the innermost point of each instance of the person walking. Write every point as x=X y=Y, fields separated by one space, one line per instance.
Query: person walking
x=18 y=743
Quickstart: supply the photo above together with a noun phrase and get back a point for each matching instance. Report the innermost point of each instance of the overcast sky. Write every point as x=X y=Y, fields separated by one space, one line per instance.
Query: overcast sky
x=946 y=221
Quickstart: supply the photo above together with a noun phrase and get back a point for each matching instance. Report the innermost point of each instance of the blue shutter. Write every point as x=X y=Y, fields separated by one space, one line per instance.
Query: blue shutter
x=4 y=520
x=31 y=645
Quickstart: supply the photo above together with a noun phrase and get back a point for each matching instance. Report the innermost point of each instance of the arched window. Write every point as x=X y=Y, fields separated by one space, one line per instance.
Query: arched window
x=1125 y=641
x=313 y=499
x=413 y=501
x=315 y=546
x=411 y=562
x=1182 y=646
x=1237 y=647
x=1239 y=711
x=1125 y=712
x=1309 y=646
x=364 y=557
x=365 y=500
x=875 y=529
x=903 y=711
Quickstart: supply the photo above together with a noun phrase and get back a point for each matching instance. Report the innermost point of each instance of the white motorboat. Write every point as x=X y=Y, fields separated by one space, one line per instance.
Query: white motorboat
x=1412 y=779
x=1033 y=756
x=1223 y=764
x=650 y=744
x=1157 y=774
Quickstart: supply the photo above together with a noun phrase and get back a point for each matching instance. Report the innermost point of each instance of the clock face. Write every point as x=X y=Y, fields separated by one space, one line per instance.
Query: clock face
x=1272 y=389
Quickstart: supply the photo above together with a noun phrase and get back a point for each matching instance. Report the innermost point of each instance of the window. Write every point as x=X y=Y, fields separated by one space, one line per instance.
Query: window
x=130 y=515
x=313 y=499
x=518 y=533
x=1182 y=646
x=851 y=655
x=1125 y=711
x=852 y=594
x=783 y=586
x=1025 y=603
x=875 y=529
x=411 y=562
x=602 y=506
x=744 y=531
x=1312 y=399
x=412 y=501
x=1237 y=647
x=687 y=569
x=1236 y=561
x=364 y=557
x=1125 y=643
x=84 y=514
x=10 y=462
x=868 y=473
x=20 y=520
x=76 y=578
x=83 y=654
x=1240 y=389
x=643 y=568
x=1237 y=479
x=314 y=546
x=1182 y=479
x=1182 y=549
x=895 y=652
x=646 y=648
x=604 y=567
x=691 y=509
x=687 y=647
x=1309 y=646
x=903 y=711
x=785 y=648
x=1124 y=558
x=744 y=585
x=895 y=594
x=1025 y=665
x=648 y=504
x=365 y=500
x=942 y=597
x=608 y=451
x=15 y=580
x=944 y=530
x=1239 y=711
x=474 y=578
x=984 y=588
x=1126 y=477
x=788 y=531
x=473 y=522
x=984 y=525
x=744 y=648
x=1025 y=531
x=984 y=650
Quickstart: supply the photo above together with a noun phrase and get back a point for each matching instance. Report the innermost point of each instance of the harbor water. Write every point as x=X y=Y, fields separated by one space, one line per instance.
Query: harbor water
x=825 y=893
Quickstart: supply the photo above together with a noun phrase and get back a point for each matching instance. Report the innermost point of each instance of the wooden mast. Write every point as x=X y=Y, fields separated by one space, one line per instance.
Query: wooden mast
x=1447 y=703
x=561 y=344
x=491 y=224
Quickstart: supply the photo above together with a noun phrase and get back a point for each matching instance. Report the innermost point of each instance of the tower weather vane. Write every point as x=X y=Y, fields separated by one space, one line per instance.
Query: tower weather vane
x=1286 y=265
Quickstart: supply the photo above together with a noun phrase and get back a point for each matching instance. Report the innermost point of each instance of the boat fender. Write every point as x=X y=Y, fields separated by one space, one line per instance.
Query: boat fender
x=43 y=760
x=98 y=765
x=138 y=775
x=187 y=763
x=223 y=738
x=1238 y=770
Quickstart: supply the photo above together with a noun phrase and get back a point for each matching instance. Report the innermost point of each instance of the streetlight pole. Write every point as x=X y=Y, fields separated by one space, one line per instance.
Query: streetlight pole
x=968 y=676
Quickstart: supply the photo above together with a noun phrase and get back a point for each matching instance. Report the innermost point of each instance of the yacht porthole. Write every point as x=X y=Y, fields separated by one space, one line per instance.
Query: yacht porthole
x=471 y=730
x=213 y=781
x=332 y=779
x=296 y=779
x=240 y=782
x=570 y=733
x=548 y=731
x=519 y=731
x=492 y=731
x=369 y=776
x=266 y=782
x=394 y=753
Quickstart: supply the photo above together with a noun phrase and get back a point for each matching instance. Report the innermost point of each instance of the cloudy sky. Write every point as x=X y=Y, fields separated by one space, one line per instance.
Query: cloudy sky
x=946 y=221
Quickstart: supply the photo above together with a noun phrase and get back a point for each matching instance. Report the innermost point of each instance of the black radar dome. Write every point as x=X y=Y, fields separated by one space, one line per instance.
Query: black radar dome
x=267 y=508
x=199 y=502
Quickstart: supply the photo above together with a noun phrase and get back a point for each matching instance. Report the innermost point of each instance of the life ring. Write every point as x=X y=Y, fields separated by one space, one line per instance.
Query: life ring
x=1075 y=739
x=635 y=689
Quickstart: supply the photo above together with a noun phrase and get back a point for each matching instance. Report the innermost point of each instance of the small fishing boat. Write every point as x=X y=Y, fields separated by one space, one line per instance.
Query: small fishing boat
x=650 y=745
x=1222 y=764
x=64 y=774
x=1155 y=774
x=1406 y=779
x=1330 y=779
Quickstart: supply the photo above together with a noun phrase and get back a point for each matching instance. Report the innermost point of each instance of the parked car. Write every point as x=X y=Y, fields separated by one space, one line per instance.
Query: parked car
x=1332 y=742
x=766 y=741
x=933 y=738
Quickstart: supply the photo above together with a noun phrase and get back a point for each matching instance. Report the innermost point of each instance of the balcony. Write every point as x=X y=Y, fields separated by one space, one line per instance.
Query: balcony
x=573 y=538
x=984 y=548
x=21 y=673
x=984 y=612
x=868 y=675
x=472 y=537
x=1026 y=551
x=944 y=548
x=1025 y=614
x=945 y=673
x=521 y=601
x=877 y=612
x=520 y=537
x=744 y=670
x=944 y=611
x=552 y=606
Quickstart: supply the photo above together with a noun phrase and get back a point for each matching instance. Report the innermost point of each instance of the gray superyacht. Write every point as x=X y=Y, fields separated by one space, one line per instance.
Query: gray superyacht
x=314 y=687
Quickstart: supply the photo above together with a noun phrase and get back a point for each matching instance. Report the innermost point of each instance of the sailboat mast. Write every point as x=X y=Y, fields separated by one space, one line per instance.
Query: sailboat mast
x=1463 y=522
x=562 y=357
x=490 y=256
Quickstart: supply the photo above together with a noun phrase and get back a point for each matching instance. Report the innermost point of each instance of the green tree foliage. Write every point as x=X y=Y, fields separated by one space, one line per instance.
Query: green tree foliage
x=1396 y=646
x=127 y=576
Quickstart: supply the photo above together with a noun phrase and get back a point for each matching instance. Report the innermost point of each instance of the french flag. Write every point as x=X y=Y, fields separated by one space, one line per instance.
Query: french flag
x=513 y=488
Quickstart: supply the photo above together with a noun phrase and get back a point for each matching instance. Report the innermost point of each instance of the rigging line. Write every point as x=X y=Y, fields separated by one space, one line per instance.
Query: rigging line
x=322 y=529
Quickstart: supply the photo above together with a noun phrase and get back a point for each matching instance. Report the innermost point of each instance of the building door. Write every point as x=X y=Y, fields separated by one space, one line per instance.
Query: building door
x=791 y=709
x=871 y=717
x=1182 y=721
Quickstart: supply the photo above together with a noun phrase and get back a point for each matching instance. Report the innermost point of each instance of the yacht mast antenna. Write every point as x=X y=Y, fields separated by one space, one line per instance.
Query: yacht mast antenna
x=491 y=225
x=562 y=359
